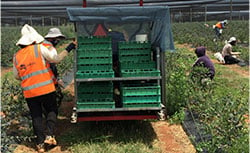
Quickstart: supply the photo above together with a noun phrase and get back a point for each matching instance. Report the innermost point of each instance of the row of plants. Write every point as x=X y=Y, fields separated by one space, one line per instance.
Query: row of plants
x=202 y=34
x=10 y=36
x=220 y=105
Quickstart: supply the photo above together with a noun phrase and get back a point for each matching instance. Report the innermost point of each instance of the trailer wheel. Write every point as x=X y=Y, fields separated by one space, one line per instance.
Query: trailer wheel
x=74 y=116
x=162 y=115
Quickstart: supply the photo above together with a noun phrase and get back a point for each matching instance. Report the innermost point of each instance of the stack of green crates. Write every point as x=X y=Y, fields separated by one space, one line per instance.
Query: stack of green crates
x=95 y=95
x=94 y=57
x=141 y=95
x=136 y=60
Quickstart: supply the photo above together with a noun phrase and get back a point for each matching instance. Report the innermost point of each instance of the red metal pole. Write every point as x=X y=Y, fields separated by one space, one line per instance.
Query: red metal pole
x=84 y=3
x=141 y=2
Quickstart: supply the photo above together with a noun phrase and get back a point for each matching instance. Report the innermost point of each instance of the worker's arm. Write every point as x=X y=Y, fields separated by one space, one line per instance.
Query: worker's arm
x=53 y=57
x=235 y=53
x=15 y=73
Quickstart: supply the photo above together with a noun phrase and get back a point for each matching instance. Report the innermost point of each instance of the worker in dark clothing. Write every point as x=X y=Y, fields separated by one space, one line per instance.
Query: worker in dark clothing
x=205 y=62
x=53 y=37
x=115 y=38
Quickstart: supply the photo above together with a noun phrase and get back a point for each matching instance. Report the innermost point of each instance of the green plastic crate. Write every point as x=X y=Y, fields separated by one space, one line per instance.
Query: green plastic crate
x=140 y=73
x=95 y=74
x=95 y=99
x=90 y=67
x=137 y=58
x=137 y=65
x=94 y=60
x=87 y=47
x=95 y=105
x=140 y=91
x=98 y=84
x=141 y=99
x=94 y=53
x=94 y=39
x=142 y=105
x=123 y=52
x=89 y=95
x=134 y=45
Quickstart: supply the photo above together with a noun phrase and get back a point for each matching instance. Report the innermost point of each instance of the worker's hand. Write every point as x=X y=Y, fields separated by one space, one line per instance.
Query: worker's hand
x=75 y=42
x=60 y=83
x=70 y=47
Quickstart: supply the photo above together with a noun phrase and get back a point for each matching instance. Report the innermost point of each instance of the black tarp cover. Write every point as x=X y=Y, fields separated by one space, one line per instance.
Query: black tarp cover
x=159 y=16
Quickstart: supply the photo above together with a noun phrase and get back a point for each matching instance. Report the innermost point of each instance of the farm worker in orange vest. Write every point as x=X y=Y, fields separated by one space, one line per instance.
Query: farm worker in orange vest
x=219 y=26
x=29 y=66
x=53 y=37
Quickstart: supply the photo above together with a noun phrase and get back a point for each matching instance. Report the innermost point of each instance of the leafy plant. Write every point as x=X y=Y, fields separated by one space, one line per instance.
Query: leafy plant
x=16 y=123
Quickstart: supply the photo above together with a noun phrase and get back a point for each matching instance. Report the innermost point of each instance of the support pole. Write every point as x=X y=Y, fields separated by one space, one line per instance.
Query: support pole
x=51 y=21
x=31 y=20
x=205 y=13
x=43 y=21
x=231 y=10
x=16 y=21
x=191 y=20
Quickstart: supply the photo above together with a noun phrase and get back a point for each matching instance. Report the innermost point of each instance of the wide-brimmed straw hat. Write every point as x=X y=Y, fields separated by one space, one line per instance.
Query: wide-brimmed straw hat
x=54 y=33
x=29 y=36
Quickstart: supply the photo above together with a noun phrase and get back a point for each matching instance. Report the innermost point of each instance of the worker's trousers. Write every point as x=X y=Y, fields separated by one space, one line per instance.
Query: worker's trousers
x=43 y=104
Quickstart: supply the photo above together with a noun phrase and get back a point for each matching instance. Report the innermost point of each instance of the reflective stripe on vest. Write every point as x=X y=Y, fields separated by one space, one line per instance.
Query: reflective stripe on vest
x=37 y=85
x=34 y=73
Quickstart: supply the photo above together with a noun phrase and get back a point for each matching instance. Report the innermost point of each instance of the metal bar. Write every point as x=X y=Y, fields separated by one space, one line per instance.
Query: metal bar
x=158 y=61
x=111 y=118
x=119 y=109
x=163 y=80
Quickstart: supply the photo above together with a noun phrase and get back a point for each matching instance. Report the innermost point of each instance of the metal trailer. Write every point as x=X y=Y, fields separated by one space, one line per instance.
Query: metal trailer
x=116 y=80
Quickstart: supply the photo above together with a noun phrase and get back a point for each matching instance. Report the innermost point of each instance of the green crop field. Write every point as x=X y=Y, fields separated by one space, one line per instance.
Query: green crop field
x=221 y=105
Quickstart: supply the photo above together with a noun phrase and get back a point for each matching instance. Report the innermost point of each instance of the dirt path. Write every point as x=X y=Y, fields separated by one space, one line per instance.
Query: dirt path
x=172 y=138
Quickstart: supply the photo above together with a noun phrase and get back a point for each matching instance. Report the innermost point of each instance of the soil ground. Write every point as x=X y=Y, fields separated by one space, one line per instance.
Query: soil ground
x=171 y=138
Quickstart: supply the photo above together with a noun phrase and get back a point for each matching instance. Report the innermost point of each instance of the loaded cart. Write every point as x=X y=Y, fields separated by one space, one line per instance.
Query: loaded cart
x=119 y=64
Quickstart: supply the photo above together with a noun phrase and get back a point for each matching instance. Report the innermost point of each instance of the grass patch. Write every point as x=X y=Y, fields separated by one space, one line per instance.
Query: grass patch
x=110 y=137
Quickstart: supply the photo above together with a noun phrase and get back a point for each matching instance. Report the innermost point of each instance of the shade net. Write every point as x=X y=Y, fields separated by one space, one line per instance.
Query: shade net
x=152 y=21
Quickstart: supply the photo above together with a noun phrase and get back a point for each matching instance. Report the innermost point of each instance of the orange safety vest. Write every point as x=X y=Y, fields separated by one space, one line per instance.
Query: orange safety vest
x=50 y=46
x=35 y=76
x=218 y=25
